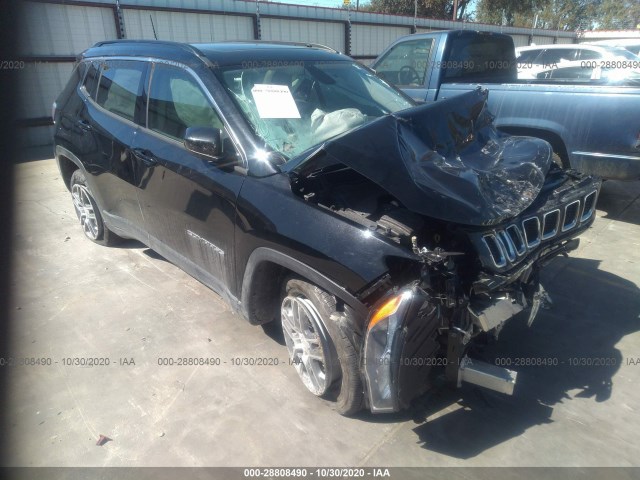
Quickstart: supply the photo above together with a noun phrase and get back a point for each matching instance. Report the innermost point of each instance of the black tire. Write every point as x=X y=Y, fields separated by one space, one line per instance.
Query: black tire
x=101 y=234
x=347 y=390
x=557 y=159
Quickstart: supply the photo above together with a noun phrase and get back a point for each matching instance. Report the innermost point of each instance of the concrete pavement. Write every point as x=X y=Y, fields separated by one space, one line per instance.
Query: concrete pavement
x=74 y=299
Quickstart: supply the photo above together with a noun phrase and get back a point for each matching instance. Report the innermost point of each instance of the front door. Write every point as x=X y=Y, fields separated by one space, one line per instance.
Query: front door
x=188 y=202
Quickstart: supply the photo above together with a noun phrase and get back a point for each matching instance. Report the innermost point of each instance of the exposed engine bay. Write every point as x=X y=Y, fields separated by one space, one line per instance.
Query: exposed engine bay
x=466 y=283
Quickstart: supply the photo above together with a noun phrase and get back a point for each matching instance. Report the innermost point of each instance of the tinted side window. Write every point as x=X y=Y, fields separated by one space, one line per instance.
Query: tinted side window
x=406 y=63
x=568 y=73
x=556 y=55
x=91 y=79
x=590 y=55
x=177 y=102
x=528 y=56
x=120 y=87
x=485 y=58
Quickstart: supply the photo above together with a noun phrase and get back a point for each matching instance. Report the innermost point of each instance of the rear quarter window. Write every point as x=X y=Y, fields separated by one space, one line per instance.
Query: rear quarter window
x=73 y=83
x=90 y=83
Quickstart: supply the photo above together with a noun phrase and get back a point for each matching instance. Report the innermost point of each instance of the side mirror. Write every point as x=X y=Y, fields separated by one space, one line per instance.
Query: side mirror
x=204 y=141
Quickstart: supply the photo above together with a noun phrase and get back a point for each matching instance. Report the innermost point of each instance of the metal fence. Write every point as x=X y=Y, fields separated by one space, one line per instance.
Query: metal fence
x=55 y=31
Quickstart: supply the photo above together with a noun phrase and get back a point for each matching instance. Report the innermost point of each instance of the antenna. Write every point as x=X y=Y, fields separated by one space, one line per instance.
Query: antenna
x=153 y=27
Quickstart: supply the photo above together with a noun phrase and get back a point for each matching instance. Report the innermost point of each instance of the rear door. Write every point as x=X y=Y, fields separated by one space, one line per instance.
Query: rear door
x=188 y=203
x=109 y=125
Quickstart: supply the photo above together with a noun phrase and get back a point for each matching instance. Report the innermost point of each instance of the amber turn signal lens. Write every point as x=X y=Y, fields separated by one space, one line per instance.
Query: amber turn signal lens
x=388 y=308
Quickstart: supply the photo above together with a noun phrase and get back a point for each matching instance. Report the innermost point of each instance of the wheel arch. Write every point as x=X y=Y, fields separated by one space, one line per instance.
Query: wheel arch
x=67 y=164
x=262 y=282
x=556 y=141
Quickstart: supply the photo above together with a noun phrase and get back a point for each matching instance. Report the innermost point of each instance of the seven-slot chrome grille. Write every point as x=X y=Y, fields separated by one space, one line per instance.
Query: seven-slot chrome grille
x=508 y=245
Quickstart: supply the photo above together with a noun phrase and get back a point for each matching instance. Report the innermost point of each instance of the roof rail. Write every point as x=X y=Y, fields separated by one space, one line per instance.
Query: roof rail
x=278 y=42
x=186 y=47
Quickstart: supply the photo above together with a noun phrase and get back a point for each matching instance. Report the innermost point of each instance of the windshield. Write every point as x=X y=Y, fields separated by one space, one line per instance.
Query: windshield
x=294 y=106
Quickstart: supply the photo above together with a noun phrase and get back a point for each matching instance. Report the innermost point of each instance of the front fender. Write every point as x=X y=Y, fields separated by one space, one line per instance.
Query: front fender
x=273 y=224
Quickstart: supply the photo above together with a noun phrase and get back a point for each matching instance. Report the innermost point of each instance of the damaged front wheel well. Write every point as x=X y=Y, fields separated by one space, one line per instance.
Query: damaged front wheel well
x=557 y=144
x=262 y=295
x=264 y=275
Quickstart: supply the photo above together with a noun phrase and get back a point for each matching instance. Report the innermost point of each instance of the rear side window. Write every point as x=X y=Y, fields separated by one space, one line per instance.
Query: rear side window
x=119 y=90
x=176 y=102
x=590 y=55
x=406 y=63
x=480 y=58
x=556 y=55
x=90 y=83
x=528 y=56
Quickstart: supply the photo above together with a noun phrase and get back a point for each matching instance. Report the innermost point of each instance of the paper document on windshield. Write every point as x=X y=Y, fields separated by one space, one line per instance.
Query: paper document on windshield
x=274 y=101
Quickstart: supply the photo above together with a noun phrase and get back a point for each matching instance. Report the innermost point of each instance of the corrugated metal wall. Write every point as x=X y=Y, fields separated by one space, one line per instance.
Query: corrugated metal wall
x=520 y=40
x=331 y=34
x=565 y=40
x=52 y=35
x=50 y=29
x=542 y=40
x=369 y=40
x=186 y=27
x=40 y=83
x=55 y=31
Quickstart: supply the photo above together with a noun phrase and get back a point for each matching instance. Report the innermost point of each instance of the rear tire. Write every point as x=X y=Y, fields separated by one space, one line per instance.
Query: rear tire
x=88 y=212
x=335 y=358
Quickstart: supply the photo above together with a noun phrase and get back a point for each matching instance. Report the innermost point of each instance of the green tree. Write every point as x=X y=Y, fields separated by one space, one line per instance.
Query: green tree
x=551 y=14
x=506 y=12
x=569 y=14
x=440 y=9
x=619 y=15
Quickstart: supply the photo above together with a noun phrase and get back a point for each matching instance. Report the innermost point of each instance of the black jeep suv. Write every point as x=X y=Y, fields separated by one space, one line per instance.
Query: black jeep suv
x=387 y=238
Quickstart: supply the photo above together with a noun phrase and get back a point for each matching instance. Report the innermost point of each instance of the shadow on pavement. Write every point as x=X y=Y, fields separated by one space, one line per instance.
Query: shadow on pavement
x=620 y=201
x=592 y=311
x=34 y=154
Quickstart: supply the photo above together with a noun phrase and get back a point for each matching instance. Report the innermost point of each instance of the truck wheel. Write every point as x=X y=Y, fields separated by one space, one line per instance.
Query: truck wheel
x=88 y=212
x=321 y=353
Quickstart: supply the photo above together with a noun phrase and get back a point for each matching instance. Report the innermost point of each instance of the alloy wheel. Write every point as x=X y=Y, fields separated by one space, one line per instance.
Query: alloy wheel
x=308 y=344
x=85 y=210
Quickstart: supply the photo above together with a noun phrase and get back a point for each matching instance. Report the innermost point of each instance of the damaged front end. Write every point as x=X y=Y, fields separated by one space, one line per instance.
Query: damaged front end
x=481 y=212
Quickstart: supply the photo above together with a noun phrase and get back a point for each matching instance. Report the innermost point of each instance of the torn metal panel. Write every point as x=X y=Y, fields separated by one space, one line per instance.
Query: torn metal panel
x=444 y=160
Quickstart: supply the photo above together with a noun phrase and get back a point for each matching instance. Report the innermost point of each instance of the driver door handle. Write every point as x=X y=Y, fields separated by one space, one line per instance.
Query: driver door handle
x=145 y=156
x=83 y=125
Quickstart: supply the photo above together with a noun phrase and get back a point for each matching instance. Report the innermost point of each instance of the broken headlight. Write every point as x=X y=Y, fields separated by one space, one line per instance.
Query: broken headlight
x=380 y=362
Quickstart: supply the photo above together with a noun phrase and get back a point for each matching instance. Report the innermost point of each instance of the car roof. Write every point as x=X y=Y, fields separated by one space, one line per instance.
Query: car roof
x=219 y=53
x=555 y=46
x=622 y=42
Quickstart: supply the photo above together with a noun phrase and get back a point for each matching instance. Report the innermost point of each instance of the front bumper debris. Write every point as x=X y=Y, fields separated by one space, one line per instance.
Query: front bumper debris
x=402 y=344
x=485 y=375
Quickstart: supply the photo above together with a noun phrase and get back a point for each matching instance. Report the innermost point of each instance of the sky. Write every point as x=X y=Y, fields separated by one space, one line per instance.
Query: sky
x=336 y=3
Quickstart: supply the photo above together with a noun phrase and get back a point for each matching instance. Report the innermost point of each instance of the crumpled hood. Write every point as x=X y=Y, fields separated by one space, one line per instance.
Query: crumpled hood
x=444 y=160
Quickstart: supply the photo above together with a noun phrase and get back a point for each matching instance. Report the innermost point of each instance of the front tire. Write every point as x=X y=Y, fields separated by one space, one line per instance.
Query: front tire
x=321 y=352
x=88 y=212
